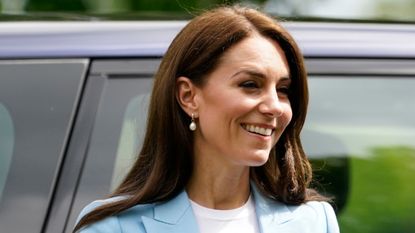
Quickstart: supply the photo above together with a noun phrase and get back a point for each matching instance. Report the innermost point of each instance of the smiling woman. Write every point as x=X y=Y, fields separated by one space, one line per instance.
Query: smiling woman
x=242 y=108
x=237 y=78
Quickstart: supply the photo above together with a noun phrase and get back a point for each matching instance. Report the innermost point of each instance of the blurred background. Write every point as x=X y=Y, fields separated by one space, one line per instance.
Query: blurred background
x=377 y=10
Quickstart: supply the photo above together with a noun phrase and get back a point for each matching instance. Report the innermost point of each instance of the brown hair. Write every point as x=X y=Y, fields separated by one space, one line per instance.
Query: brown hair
x=165 y=163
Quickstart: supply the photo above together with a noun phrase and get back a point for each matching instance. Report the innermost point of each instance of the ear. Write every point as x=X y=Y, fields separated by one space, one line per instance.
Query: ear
x=186 y=95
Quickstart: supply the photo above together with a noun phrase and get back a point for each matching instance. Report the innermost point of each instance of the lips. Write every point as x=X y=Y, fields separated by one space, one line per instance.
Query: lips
x=258 y=129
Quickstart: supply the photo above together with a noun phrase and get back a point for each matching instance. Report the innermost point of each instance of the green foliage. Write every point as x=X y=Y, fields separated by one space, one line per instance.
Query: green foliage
x=129 y=5
x=160 y=5
x=331 y=178
x=181 y=5
x=380 y=191
x=56 y=5
x=395 y=10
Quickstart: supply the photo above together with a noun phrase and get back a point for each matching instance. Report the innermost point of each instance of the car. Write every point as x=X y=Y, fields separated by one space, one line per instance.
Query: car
x=74 y=97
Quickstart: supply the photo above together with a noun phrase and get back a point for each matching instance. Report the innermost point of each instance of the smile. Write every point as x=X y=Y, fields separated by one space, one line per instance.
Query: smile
x=257 y=130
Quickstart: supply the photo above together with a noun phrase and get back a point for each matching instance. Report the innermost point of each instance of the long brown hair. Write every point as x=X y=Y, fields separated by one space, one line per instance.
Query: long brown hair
x=165 y=163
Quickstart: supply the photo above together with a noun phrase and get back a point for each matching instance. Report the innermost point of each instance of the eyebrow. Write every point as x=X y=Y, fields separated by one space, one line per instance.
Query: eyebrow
x=257 y=74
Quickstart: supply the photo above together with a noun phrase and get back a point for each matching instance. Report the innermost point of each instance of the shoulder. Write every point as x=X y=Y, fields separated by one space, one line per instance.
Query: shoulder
x=310 y=217
x=317 y=213
x=125 y=222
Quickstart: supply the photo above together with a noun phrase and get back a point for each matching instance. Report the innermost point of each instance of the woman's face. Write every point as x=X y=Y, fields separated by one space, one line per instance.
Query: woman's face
x=244 y=105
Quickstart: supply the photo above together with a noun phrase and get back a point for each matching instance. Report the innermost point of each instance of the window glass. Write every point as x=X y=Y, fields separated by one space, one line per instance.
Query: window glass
x=6 y=145
x=131 y=137
x=37 y=102
x=360 y=134
x=115 y=141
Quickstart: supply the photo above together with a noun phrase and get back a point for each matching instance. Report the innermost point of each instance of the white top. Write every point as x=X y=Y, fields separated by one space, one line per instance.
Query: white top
x=241 y=220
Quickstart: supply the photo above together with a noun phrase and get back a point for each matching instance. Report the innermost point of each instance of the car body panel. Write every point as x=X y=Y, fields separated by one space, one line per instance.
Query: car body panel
x=151 y=38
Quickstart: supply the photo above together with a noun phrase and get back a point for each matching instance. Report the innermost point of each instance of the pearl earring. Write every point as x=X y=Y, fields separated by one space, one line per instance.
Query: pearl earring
x=192 y=125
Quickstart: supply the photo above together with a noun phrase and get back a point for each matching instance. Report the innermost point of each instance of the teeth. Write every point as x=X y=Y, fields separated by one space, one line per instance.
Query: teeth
x=258 y=130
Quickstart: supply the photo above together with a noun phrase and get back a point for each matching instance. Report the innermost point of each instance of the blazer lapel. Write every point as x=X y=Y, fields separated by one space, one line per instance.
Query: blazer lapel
x=270 y=214
x=173 y=216
x=176 y=215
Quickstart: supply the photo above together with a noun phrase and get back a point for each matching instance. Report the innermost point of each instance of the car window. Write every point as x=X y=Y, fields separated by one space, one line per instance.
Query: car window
x=360 y=134
x=131 y=136
x=37 y=103
x=115 y=140
x=6 y=145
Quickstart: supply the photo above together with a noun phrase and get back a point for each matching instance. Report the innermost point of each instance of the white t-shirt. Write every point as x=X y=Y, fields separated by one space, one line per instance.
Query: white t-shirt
x=241 y=220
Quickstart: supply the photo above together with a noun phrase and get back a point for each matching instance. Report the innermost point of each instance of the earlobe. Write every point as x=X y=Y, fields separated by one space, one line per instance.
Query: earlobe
x=185 y=95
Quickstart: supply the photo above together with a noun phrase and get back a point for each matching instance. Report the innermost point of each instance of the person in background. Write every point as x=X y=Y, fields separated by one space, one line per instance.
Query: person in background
x=222 y=150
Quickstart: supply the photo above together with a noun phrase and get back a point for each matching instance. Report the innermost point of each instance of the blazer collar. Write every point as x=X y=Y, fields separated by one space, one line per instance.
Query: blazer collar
x=173 y=216
x=176 y=215
x=270 y=213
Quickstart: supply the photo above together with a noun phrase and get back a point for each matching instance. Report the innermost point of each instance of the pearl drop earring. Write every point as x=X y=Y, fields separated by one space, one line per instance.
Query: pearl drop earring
x=192 y=125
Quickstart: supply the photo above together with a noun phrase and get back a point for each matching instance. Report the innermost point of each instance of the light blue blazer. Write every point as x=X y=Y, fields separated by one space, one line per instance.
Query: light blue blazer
x=176 y=216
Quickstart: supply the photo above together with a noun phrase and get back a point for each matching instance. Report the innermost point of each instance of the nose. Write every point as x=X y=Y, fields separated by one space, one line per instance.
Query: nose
x=271 y=105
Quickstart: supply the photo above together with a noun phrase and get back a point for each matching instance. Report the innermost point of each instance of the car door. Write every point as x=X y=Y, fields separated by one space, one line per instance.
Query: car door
x=107 y=135
x=38 y=102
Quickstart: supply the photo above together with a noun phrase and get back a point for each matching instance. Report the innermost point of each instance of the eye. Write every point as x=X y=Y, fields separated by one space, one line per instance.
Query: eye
x=249 y=85
x=284 y=90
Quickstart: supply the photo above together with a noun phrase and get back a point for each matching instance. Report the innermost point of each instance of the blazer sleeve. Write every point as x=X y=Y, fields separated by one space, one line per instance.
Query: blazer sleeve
x=107 y=225
x=331 y=220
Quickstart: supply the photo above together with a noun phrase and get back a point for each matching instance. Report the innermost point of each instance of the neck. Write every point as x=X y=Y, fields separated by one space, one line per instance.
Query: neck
x=218 y=186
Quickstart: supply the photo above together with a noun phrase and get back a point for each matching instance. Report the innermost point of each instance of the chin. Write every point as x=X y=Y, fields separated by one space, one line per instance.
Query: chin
x=259 y=159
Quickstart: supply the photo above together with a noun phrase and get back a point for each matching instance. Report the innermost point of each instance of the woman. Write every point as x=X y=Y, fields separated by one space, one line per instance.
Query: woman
x=222 y=151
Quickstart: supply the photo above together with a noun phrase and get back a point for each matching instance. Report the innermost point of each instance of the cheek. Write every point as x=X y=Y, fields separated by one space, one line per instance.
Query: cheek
x=213 y=111
x=224 y=102
x=286 y=117
x=289 y=114
x=283 y=121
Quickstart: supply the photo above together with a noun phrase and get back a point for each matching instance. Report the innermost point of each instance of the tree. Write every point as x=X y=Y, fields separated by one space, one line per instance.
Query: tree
x=56 y=5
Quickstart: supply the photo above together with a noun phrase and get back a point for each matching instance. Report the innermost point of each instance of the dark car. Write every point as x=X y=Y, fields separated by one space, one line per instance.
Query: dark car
x=74 y=96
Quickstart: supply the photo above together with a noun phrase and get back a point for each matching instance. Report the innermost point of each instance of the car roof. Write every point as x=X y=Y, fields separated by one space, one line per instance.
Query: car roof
x=152 y=38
